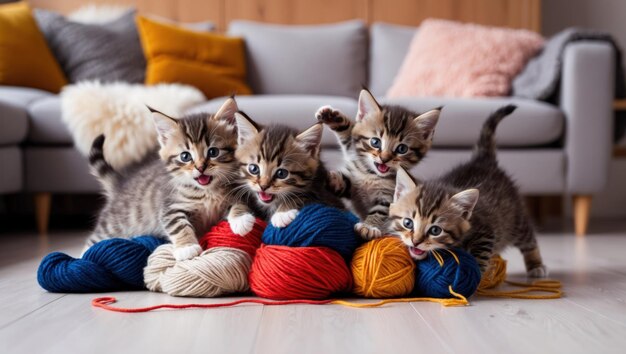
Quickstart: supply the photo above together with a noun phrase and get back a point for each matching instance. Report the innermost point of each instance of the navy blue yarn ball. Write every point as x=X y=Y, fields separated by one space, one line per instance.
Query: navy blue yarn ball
x=433 y=280
x=317 y=225
x=109 y=265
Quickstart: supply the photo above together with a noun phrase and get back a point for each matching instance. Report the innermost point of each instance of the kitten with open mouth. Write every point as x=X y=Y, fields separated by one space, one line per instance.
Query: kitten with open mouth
x=282 y=168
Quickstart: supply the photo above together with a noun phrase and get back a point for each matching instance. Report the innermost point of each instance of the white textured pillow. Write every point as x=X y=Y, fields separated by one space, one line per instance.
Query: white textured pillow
x=98 y=14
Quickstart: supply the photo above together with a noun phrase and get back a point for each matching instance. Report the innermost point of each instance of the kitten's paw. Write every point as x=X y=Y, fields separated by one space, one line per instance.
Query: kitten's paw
x=186 y=252
x=242 y=224
x=336 y=182
x=284 y=218
x=367 y=232
x=538 y=272
x=330 y=116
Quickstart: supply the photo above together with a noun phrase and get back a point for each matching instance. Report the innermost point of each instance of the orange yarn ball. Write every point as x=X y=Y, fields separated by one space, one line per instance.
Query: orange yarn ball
x=383 y=268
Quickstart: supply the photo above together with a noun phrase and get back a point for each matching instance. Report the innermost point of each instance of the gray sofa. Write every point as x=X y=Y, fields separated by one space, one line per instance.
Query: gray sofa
x=549 y=149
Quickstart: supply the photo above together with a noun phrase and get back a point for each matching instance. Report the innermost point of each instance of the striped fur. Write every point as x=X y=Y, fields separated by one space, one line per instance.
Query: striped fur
x=169 y=196
x=278 y=147
x=475 y=206
x=369 y=188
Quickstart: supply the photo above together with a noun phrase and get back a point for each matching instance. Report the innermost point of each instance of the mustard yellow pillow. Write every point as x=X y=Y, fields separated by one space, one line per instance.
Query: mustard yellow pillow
x=213 y=63
x=25 y=59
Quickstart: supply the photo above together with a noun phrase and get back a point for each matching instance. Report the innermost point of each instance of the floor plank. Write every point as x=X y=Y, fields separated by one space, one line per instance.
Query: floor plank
x=338 y=329
x=590 y=318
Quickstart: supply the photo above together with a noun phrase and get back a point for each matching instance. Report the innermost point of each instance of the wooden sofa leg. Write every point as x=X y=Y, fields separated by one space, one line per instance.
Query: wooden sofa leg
x=42 y=211
x=582 y=208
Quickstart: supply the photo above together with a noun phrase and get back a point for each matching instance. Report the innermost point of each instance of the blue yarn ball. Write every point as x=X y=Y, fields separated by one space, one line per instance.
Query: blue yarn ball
x=109 y=265
x=317 y=225
x=433 y=280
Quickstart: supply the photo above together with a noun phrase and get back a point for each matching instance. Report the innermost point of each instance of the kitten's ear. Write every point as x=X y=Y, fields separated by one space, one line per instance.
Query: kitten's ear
x=311 y=138
x=246 y=128
x=166 y=126
x=227 y=111
x=404 y=184
x=426 y=123
x=464 y=202
x=367 y=105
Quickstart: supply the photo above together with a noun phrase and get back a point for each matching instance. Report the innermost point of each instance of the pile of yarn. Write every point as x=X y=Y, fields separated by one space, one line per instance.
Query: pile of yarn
x=109 y=265
x=383 y=268
x=221 y=269
x=308 y=258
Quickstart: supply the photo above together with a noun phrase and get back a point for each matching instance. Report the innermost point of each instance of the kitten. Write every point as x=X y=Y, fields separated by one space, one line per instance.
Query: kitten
x=383 y=139
x=182 y=194
x=447 y=212
x=282 y=169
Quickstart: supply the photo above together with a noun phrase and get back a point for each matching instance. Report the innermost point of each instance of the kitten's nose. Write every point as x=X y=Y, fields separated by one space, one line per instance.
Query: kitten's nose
x=385 y=157
x=202 y=166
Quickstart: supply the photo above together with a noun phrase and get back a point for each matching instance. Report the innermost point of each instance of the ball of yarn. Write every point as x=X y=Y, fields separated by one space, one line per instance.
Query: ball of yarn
x=221 y=269
x=215 y=272
x=109 y=265
x=221 y=235
x=286 y=273
x=434 y=279
x=317 y=225
x=383 y=268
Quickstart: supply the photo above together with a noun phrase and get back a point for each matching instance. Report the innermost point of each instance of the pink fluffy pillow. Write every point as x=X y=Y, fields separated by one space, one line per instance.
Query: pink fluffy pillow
x=464 y=60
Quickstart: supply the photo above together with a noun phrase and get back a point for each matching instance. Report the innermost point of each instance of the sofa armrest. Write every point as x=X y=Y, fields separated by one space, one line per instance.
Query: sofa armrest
x=587 y=92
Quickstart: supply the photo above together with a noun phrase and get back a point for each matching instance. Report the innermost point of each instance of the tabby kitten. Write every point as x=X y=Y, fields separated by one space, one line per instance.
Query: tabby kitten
x=282 y=169
x=180 y=195
x=447 y=212
x=383 y=139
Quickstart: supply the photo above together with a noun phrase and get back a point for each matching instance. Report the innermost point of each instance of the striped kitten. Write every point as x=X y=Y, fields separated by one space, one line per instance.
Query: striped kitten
x=182 y=194
x=282 y=169
x=447 y=212
x=383 y=139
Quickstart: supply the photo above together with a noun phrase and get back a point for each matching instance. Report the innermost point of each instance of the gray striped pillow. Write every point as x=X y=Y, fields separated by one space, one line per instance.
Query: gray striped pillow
x=107 y=52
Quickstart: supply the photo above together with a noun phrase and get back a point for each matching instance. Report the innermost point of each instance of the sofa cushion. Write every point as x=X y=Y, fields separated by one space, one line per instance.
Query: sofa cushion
x=107 y=52
x=46 y=126
x=533 y=123
x=316 y=60
x=449 y=58
x=25 y=59
x=293 y=110
x=213 y=63
x=388 y=47
x=14 y=102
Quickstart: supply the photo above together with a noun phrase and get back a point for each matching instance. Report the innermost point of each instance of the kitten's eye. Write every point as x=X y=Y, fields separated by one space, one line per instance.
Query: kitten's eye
x=213 y=152
x=253 y=169
x=434 y=230
x=408 y=223
x=375 y=143
x=402 y=149
x=281 y=173
x=185 y=156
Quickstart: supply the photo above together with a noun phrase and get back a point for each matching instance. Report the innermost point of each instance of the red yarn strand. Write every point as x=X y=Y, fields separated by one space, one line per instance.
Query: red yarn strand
x=105 y=303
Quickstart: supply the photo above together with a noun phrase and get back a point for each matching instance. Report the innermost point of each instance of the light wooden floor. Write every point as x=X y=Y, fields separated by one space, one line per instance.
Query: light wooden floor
x=590 y=319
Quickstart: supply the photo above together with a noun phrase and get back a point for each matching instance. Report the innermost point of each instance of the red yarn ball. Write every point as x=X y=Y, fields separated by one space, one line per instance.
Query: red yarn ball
x=286 y=273
x=221 y=235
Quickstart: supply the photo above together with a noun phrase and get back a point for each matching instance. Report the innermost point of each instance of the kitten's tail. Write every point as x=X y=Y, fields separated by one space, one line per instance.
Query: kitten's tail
x=99 y=166
x=486 y=145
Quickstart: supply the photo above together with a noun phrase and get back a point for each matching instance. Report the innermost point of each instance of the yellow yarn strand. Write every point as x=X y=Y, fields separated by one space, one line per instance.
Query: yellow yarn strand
x=496 y=275
x=457 y=300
